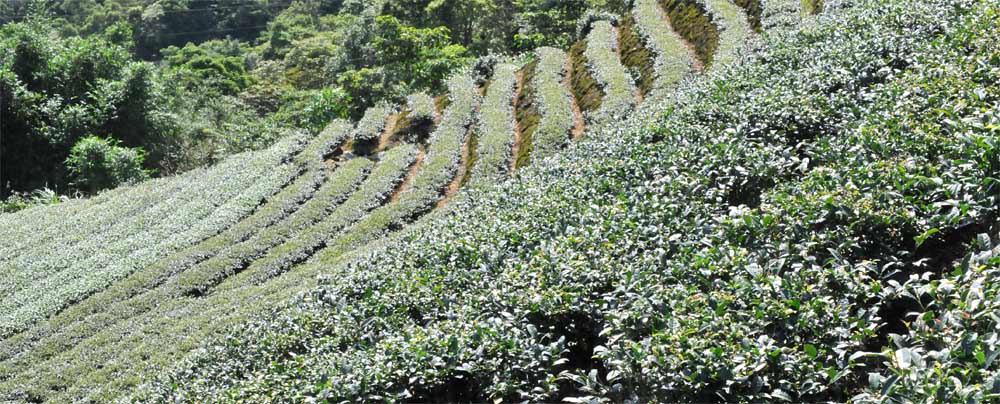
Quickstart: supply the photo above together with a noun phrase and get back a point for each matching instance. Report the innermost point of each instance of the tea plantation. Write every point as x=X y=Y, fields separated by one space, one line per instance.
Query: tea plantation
x=698 y=201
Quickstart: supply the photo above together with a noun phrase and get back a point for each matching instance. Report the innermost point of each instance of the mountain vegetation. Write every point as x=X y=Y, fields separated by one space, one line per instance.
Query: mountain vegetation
x=186 y=83
x=637 y=201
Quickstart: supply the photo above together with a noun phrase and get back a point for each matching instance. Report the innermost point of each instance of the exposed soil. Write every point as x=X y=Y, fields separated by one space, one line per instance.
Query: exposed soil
x=387 y=139
x=463 y=170
x=414 y=168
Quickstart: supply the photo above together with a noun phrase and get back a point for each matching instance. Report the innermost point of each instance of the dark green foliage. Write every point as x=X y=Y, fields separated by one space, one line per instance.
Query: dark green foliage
x=56 y=90
x=815 y=222
x=396 y=59
x=585 y=89
x=215 y=64
x=502 y=26
x=314 y=109
x=96 y=163
x=553 y=23
x=39 y=197
x=157 y=25
x=236 y=74
x=482 y=25
x=635 y=55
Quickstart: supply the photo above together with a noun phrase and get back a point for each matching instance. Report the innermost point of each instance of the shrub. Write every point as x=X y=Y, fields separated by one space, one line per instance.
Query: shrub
x=554 y=101
x=618 y=88
x=39 y=197
x=384 y=178
x=734 y=29
x=496 y=127
x=421 y=107
x=671 y=59
x=97 y=163
x=691 y=20
x=341 y=183
x=205 y=205
x=751 y=244
x=371 y=126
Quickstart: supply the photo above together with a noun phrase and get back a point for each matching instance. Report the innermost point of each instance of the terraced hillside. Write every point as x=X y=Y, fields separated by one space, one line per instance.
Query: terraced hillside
x=702 y=200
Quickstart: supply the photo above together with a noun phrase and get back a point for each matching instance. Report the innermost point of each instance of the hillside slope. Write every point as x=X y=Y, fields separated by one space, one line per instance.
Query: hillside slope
x=812 y=220
x=104 y=293
x=813 y=223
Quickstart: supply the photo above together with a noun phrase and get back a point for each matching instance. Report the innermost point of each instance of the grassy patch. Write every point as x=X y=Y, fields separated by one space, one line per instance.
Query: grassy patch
x=470 y=162
x=812 y=7
x=412 y=130
x=441 y=102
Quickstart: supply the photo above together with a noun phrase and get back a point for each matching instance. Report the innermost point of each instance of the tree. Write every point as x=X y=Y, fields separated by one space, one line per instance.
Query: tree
x=56 y=90
x=97 y=163
x=396 y=59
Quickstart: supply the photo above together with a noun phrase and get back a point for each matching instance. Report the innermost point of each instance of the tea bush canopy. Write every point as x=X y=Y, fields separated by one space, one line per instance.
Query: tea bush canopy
x=616 y=83
x=687 y=201
x=766 y=281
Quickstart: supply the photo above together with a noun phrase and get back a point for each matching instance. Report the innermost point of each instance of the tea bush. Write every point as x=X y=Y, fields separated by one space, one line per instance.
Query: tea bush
x=383 y=180
x=421 y=107
x=782 y=228
x=671 y=59
x=616 y=83
x=496 y=127
x=371 y=125
x=555 y=102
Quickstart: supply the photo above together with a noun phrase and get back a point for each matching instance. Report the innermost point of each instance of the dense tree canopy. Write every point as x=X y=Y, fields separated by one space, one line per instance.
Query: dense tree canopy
x=55 y=91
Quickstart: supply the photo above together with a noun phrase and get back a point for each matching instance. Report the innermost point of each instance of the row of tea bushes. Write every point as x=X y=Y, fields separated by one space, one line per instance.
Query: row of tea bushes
x=671 y=60
x=554 y=100
x=745 y=246
x=225 y=195
x=734 y=29
x=342 y=183
x=619 y=92
x=80 y=315
x=421 y=107
x=439 y=168
x=265 y=284
x=385 y=177
x=371 y=126
x=496 y=127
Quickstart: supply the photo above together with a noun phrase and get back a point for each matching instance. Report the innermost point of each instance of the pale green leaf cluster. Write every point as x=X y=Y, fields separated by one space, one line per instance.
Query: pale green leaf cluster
x=496 y=126
x=617 y=85
x=372 y=124
x=421 y=107
x=555 y=101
